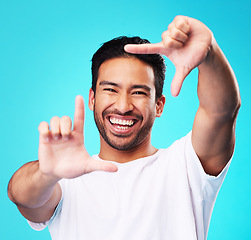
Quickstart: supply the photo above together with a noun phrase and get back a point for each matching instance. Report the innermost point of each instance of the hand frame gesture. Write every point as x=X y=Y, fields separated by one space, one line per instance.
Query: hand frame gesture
x=62 y=153
x=186 y=43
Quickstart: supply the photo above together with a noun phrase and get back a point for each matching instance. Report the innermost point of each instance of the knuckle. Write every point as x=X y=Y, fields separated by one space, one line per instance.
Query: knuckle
x=173 y=32
x=166 y=37
x=178 y=18
x=170 y=27
x=171 y=43
x=180 y=24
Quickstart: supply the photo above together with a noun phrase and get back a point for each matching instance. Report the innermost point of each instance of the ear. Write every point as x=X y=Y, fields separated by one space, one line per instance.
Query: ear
x=160 y=105
x=91 y=100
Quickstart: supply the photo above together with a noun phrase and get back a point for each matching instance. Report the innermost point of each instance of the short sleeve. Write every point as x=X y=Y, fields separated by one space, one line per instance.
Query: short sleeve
x=202 y=184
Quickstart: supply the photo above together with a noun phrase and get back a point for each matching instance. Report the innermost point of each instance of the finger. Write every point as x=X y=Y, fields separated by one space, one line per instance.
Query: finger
x=148 y=48
x=99 y=165
x=178 y=80
x=43 y=129
x=79 y=115
x=65 y=126
x=169 y=42
x=177 y=34
x=181 y=22
x=55 y=127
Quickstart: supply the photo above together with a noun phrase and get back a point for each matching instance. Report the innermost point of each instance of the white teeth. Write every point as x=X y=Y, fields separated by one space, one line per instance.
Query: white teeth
x=122 y=128
x=121 y=122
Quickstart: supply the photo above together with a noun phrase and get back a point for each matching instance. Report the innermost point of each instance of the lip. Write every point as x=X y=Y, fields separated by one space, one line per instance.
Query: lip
x=122 y=130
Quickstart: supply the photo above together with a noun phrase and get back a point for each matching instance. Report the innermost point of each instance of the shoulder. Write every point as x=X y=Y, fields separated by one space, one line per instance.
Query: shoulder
x=179 y=147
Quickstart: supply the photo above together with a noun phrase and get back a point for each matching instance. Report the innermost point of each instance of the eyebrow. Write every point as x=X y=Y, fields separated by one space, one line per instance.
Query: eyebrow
x=145 y=87
x=109 y=83
x=142 y=86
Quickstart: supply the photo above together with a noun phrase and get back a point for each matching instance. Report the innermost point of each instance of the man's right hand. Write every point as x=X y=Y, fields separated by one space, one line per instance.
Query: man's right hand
x=62 y=153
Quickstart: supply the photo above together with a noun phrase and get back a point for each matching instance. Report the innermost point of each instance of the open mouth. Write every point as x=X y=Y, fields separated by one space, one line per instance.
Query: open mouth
x=122 y=124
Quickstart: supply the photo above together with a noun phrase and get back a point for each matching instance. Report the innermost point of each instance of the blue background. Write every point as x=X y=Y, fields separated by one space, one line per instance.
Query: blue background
x=45 y=52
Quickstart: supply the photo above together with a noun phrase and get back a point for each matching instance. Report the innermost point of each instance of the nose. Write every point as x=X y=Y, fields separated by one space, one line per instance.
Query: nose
x=123 y=103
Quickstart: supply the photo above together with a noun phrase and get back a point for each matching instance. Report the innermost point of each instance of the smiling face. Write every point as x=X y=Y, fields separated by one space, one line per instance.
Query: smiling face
x=124 y=104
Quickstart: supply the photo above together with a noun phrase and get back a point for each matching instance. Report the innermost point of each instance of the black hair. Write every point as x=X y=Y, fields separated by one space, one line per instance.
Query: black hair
x=115 y=49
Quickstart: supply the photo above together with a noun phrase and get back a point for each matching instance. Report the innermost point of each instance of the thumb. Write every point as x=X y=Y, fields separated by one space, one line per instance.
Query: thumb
x=79 y=116
x=147 y=48
x=178 y=79
x=100 y=165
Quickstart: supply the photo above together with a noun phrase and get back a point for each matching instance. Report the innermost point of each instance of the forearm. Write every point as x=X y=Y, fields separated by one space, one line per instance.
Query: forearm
x=213 y=135
x=218 y=90
x=30 y=188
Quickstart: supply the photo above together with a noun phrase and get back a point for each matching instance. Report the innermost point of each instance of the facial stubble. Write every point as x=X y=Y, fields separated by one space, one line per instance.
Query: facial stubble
x=140 y=135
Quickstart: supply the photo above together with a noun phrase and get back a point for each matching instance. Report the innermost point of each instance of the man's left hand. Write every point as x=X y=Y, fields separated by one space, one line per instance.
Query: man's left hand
x=186 y=43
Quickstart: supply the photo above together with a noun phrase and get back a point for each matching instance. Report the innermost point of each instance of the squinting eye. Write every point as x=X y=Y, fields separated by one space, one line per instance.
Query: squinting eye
x=109 y=90
x=139 y=93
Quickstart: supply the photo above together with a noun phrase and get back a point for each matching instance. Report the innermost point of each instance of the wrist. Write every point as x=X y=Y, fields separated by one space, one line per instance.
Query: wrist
x=50 y=179
x=212 y=57
x=31 y=188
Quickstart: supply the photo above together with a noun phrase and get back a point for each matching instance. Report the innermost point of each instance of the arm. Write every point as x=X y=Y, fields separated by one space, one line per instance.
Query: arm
x=213 y=135
x=35 y=194
x=34 y=187
x=188 y=43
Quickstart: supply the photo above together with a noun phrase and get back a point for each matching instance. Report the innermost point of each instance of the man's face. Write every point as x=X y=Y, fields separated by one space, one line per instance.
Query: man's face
x=124 y=104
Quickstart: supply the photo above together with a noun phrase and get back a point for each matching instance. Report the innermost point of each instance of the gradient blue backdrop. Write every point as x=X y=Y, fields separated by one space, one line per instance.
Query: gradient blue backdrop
x=45 y=52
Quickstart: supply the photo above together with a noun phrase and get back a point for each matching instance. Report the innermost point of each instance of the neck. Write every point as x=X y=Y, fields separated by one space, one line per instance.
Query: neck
x=109 y=153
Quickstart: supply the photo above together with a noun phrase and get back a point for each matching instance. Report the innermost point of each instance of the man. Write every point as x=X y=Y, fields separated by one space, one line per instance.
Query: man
x=132 y=190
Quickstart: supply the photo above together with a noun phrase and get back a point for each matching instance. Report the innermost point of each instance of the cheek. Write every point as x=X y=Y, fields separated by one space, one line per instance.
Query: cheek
x=106 y=99
x=101 y=103
x=148 y=114
x=146 y=107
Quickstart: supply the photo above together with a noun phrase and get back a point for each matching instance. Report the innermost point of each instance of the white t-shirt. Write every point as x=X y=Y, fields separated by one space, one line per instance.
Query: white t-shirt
x=164 y=196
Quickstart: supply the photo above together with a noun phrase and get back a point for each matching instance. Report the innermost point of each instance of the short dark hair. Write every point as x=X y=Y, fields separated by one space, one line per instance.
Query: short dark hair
x=115 y=49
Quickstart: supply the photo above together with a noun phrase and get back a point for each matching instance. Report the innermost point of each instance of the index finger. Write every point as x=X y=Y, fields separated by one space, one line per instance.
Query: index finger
x=146 y=48
x=79 y=115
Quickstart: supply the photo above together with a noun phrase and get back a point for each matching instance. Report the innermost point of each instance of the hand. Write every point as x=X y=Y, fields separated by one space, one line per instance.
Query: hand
x=186 y=43
x=61 y=150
